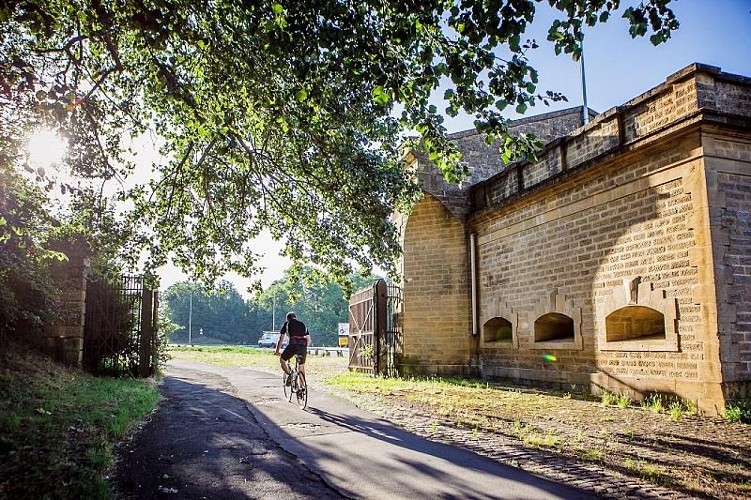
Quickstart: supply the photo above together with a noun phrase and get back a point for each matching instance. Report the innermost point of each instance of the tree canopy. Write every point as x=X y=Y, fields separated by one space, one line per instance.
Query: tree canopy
x=279 y=115
x=222 y=315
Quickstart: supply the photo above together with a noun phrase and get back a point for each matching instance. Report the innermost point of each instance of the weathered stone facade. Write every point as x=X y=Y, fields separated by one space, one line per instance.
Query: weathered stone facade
x=64 y=337
x=620 y=260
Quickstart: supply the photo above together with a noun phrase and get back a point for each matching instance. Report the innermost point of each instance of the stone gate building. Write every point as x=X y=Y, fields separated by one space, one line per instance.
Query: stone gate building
x=620 y=260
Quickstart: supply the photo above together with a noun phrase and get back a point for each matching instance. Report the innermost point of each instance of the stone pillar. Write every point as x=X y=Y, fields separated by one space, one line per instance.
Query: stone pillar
x=64 y=335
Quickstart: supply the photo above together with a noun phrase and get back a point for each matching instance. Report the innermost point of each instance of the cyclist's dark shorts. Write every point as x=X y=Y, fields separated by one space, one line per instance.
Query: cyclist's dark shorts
x=293 y=349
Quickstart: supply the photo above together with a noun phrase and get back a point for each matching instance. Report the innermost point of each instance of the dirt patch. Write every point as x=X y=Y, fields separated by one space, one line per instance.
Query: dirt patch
x=694 y=455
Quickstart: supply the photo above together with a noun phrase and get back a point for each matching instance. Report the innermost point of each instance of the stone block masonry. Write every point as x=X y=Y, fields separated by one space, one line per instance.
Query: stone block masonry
x=435 y=301
x=64 y=336
x=620 y=259
x=728 y=163
x=584 y=243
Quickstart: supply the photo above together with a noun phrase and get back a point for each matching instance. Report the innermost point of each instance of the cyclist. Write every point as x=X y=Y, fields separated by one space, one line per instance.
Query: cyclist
x=299 y=339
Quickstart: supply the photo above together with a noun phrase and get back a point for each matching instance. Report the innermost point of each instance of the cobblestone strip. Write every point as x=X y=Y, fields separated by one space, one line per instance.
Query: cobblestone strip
x=587 y=476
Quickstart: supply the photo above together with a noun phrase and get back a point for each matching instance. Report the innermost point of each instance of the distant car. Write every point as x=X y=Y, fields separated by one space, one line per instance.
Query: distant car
x=269 y=339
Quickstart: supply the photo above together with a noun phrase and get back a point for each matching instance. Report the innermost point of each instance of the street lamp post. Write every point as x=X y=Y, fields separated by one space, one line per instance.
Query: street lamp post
x=190 y=319
x=585 y=105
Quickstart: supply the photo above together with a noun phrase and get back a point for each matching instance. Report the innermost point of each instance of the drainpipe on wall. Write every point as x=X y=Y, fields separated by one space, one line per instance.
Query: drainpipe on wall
x=473 y=271
x=475 y=362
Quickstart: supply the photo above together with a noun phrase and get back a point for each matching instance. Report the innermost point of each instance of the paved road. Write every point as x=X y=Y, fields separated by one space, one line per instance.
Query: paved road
x=228 y=433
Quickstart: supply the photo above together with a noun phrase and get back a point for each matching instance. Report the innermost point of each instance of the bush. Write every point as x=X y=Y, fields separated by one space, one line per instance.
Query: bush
x=738 y=411
x=27 y=291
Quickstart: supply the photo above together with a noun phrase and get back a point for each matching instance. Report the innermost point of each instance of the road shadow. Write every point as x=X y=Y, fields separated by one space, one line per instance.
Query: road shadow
x=407 y=458
x=203 y=443
x=207 y=440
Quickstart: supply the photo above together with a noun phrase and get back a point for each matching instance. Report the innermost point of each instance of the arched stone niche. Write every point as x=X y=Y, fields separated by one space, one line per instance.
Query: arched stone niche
x=499 y=326
x=638 y=318
x=557 y=323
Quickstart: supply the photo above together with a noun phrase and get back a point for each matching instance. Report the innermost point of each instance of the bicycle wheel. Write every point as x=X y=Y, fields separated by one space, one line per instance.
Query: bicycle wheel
x=287 y=388
x=302 y=392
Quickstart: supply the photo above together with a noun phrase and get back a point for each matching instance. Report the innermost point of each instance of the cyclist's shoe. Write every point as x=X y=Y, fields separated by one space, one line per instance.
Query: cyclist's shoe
x=288 y=380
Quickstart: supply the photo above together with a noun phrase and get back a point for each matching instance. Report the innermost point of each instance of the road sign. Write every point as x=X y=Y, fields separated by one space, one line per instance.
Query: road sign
x=343 y=334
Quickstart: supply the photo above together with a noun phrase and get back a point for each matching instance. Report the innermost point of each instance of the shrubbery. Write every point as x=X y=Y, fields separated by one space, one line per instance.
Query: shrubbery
x=27 y=291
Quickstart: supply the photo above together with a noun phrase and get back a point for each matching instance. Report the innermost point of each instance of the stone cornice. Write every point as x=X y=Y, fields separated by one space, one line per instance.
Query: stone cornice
x=688 y=97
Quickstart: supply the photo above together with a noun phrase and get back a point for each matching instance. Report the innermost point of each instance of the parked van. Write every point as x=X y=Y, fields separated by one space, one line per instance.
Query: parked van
x=269 y=339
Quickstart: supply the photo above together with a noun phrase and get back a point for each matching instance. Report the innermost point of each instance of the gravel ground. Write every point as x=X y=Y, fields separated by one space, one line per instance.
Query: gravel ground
x=618 y=452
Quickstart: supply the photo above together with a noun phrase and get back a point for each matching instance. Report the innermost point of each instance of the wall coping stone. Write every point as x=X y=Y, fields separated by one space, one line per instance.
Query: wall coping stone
x=701 y=114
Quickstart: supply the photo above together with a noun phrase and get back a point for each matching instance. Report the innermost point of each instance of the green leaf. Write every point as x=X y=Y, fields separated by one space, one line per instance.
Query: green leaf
x=380 y=97
x=506 y=156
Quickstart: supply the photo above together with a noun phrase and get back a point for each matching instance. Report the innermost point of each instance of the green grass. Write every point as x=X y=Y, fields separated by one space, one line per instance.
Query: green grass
x=262 y=359
x=645 y=470
x=675 y=408
x=223 y=355
x=608 y=398
x=58 y=426
x=739 y=412
x=546 y=440
x=653 y=402
x=622 y=400
x=592 y=454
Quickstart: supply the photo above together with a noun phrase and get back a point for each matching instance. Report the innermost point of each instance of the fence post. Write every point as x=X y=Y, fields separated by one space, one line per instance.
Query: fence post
x=379 y=332
x=155 y=330
x=147 y=331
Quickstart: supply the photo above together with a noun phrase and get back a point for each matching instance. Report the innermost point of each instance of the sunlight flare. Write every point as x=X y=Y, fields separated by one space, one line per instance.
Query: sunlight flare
x=46 y=148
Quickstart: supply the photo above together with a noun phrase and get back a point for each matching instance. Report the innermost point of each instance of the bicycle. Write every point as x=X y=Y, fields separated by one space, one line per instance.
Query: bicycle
x=298 y=387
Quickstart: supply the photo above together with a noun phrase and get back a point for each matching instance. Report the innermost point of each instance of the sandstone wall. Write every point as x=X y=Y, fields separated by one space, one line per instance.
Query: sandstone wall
x=619 y=260
x=483 y=160
x=616 y=225
x=64 y=337
x=586 y=253
x=728 y=164
x=435 y=291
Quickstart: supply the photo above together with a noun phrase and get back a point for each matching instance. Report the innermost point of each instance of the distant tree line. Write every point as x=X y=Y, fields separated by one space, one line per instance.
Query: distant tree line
x=221 y=315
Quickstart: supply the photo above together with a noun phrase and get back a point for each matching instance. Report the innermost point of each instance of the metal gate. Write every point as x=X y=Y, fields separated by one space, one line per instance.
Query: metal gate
x=120 y=327
x=375 y=340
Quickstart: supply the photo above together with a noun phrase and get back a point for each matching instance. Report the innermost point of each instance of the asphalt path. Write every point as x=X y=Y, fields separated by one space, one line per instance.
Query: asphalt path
x=229 y=433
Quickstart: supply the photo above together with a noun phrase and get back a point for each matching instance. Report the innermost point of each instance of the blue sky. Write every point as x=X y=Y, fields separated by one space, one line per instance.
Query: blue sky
x=619 y=68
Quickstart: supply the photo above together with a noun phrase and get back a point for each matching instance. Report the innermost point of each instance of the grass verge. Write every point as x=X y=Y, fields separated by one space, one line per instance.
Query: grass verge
x=262 y=359
x=58 y=426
